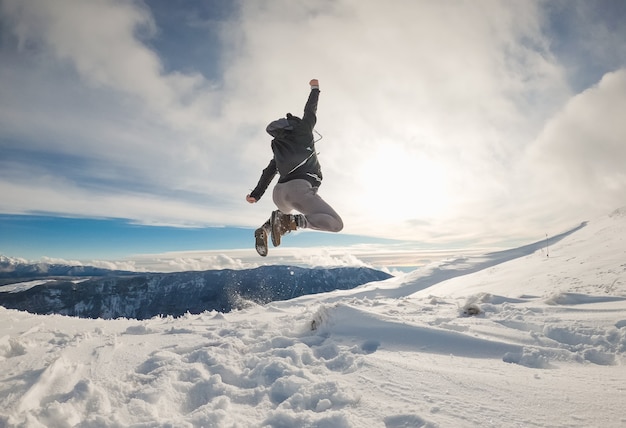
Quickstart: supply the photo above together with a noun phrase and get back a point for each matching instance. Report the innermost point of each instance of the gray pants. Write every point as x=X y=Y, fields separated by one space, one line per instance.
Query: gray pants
x=299 y=195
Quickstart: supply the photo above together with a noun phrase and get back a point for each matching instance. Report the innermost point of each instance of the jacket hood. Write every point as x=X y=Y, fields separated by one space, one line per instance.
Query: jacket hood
x=278 y=127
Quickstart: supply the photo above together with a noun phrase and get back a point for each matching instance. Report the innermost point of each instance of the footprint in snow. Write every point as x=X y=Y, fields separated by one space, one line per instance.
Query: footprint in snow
x=370 y=346
x=406 y=421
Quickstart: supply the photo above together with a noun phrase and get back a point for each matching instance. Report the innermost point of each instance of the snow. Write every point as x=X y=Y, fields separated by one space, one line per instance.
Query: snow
x=22 y=286
x=537 y=340
x=27 y=285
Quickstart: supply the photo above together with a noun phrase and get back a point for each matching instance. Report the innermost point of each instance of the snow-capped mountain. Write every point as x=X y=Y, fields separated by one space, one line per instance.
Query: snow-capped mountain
x=15 y=268
x=143 y=296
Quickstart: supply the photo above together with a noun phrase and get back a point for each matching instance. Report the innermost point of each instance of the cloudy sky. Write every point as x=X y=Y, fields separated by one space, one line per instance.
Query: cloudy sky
x=443 y=121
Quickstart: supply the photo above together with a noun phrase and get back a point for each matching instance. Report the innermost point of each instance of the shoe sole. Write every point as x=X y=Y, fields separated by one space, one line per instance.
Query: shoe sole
x=260 y=236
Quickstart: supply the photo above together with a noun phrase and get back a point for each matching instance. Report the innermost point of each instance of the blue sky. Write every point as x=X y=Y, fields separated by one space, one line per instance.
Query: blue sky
x=446 y=124
x=37 y=237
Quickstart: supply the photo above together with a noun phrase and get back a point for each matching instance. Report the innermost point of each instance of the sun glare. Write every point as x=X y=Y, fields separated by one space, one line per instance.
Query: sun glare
x=401 y=184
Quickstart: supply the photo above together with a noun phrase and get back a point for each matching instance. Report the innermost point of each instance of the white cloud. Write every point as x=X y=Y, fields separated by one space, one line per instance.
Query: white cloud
x=128 y=265
x=68 y=199
x=377 y=256
x=441 y=120
x=102 y=40
x=426 y=107
x=579 y=157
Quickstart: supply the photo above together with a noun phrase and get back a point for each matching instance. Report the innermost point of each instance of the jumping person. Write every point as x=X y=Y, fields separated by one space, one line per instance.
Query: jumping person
x=295 y=160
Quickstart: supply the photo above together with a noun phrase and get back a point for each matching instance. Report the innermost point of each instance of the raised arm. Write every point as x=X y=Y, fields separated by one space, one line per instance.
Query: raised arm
x=310 y=109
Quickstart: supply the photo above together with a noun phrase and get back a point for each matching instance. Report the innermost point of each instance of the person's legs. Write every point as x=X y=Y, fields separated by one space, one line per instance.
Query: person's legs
x=281 y=198
x=299 y=195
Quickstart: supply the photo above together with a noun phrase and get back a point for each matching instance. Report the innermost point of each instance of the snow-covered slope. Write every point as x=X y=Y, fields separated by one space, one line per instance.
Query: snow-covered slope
x=546 y=348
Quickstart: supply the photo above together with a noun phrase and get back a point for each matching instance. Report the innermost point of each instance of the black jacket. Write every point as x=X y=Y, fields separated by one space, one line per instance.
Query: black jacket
x=294 y=149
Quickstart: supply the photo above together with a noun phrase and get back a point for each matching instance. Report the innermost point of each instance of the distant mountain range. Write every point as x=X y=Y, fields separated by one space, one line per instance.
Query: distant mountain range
x=90 y=292
x=12 y=269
